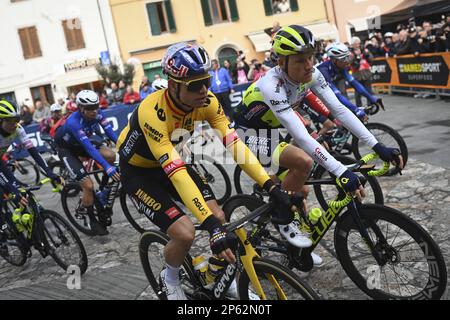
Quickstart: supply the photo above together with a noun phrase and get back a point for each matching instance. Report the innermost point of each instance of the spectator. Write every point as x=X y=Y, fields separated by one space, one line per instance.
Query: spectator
x=256 y=71
x=273 y=30
x=61 y=102
x=55 y=115
x=284 y=6
x=145 y=91
x=26 y=116
x=41 y=112
x=404 y=43
x=144 y=83
x=414 y=41
x=131 y=97
x=424 y=43
x=388 y=45
x=231 y=70
x=221 y=86
x=443 y=38
x=117 y=93
x=103 y=100
x=374 y=47
x=268 y=63
x=361 y=70
x=122 y=90
x=241 y=72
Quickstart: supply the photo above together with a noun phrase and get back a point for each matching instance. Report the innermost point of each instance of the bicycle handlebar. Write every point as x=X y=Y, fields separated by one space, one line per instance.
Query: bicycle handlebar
x=375 y=173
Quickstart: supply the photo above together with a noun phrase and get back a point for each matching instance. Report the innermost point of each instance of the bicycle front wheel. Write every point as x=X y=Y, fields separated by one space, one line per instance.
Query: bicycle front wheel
x=277 y=282
x=151 y=253
x=63 y=242
x=412 y=265
x=25 y=171
x=386 y=135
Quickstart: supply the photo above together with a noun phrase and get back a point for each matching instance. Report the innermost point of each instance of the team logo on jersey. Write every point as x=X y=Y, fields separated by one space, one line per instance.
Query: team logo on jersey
x=164 y=158
x=172 y=212
x=280 y=84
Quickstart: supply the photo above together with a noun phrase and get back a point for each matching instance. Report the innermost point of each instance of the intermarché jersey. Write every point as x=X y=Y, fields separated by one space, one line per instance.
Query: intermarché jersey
x=20 y=134
x=77 y=130
x=268 y=103
x=146 y=143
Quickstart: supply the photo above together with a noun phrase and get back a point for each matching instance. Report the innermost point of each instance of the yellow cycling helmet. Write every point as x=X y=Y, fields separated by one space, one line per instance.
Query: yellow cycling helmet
x=8 y=109
x=293 y=39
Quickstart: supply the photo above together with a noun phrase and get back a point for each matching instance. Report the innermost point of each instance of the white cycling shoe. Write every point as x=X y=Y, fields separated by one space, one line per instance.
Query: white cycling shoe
x=316 y=259
x=172 y=292
x=295 y=236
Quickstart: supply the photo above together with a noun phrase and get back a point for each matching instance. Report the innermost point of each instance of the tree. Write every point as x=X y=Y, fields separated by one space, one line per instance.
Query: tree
x=112 y=73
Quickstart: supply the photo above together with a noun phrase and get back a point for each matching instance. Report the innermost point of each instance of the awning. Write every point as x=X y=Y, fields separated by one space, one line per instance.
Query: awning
x=76 y=77
x=261 y=41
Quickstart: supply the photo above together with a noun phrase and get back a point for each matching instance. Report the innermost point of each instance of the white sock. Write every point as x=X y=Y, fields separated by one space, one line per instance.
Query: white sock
x=172 y=275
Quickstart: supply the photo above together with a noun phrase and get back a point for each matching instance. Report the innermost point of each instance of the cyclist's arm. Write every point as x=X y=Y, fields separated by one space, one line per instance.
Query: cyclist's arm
x=241 y=153
x=7 y=180
x=32 y=150
x=280 y=107
x=343 y=99
x=163 y=150
x=359 y=87
x=321 y=88
x=80 y=136
x=107 y=126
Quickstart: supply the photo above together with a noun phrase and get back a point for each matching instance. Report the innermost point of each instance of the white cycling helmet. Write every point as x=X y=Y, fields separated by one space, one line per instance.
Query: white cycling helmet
x=159 y=84
x=86 y=98
x=338 y=51
x=55 y=107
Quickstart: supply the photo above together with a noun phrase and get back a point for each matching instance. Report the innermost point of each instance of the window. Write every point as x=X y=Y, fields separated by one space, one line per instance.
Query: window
x=73 y=34
x=43 y=93
x=161 y=17
x=219 y=11
x=280 y=6
x=30 y=42
x=10 y=96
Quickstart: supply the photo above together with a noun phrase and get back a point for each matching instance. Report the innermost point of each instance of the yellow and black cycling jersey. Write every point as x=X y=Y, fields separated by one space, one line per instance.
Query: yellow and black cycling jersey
x=146 y=143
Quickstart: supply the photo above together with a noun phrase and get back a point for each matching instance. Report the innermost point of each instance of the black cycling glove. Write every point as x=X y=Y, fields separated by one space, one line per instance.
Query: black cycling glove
x=217 y=234
x=349 y=181
x=387 y=154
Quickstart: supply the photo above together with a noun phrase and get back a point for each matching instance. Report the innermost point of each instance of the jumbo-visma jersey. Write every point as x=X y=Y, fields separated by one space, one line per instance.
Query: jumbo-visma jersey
x=146 y=143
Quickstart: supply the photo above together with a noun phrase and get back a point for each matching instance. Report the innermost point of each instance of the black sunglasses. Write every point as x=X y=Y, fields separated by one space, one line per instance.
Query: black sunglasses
x=195 y=85
x=91 y=108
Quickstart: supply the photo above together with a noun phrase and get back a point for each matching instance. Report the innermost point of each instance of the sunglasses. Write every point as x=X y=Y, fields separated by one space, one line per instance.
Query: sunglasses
x=12 y=120
x=91 y=108
x=195 y=85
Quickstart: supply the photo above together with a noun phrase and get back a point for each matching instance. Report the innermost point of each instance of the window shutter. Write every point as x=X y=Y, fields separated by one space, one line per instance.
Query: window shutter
x=68 y=35
x=268 y=7
x=172 y=25
x=294 y=5
x=206 y=13
x=153 y=17
x=35 y=46
x=79 y=39
x=24 y=42
x=233 y=10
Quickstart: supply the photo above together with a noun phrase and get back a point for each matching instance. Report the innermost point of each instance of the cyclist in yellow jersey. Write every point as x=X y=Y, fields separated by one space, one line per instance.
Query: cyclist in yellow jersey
x=153 y=172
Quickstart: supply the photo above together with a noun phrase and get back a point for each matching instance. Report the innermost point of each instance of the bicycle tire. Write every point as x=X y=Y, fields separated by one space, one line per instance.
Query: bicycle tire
x=11 y=244
x=264 y=267
x=58 y=222
x=135 y=217
x=375 y=214
x=72 y=190
x=359 y=151
x=210 y=178
x=152 y=273
x=239 y=184
x=26 y=172
x=372 y=182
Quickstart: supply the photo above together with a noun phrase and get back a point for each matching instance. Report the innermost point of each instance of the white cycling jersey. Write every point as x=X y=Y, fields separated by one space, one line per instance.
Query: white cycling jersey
x=20 y=134
x=280 y=94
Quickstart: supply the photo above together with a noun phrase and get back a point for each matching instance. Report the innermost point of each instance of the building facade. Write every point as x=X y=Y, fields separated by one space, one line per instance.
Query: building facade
x=50 y=48
x=145 y=28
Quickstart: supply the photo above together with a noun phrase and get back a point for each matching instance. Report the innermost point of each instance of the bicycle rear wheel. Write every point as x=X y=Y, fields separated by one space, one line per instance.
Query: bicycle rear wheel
x=135 y=217
x=386 y=135
x=413 y=266
x=11 y=249
x=64 y=244
x=277 y=282
x=151 y=253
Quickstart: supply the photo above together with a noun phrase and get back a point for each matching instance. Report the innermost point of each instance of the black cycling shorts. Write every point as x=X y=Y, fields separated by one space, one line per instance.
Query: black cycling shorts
x=154 y=195
x=70 y=158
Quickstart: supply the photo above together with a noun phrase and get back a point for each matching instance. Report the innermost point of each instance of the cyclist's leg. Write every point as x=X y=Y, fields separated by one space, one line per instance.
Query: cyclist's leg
x=299 y=165
x=108 y=154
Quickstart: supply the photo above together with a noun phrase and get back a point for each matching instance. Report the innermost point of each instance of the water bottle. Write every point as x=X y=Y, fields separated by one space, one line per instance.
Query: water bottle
x=27 y=221
x=201 y=267
x=17 y=220
x=215 y=268
x=314 y=215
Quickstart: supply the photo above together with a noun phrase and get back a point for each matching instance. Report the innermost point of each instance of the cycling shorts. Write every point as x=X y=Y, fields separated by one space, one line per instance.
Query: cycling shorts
x=154 y=195
x=72 y=162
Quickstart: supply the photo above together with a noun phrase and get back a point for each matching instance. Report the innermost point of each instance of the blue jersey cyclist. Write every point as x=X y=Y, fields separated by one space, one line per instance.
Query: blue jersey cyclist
x=10 y=131
x=336 y=69
x=73 y=144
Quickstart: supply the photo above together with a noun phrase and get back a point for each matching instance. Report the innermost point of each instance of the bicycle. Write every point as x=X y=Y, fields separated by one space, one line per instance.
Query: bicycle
x=25 y=171
x=371 y=259
x=264 y=277
x=104 y=199
x=374 y=194
x=45 y=230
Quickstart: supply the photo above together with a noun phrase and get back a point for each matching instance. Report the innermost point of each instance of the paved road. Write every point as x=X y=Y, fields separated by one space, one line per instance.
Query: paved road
x=423 y=193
